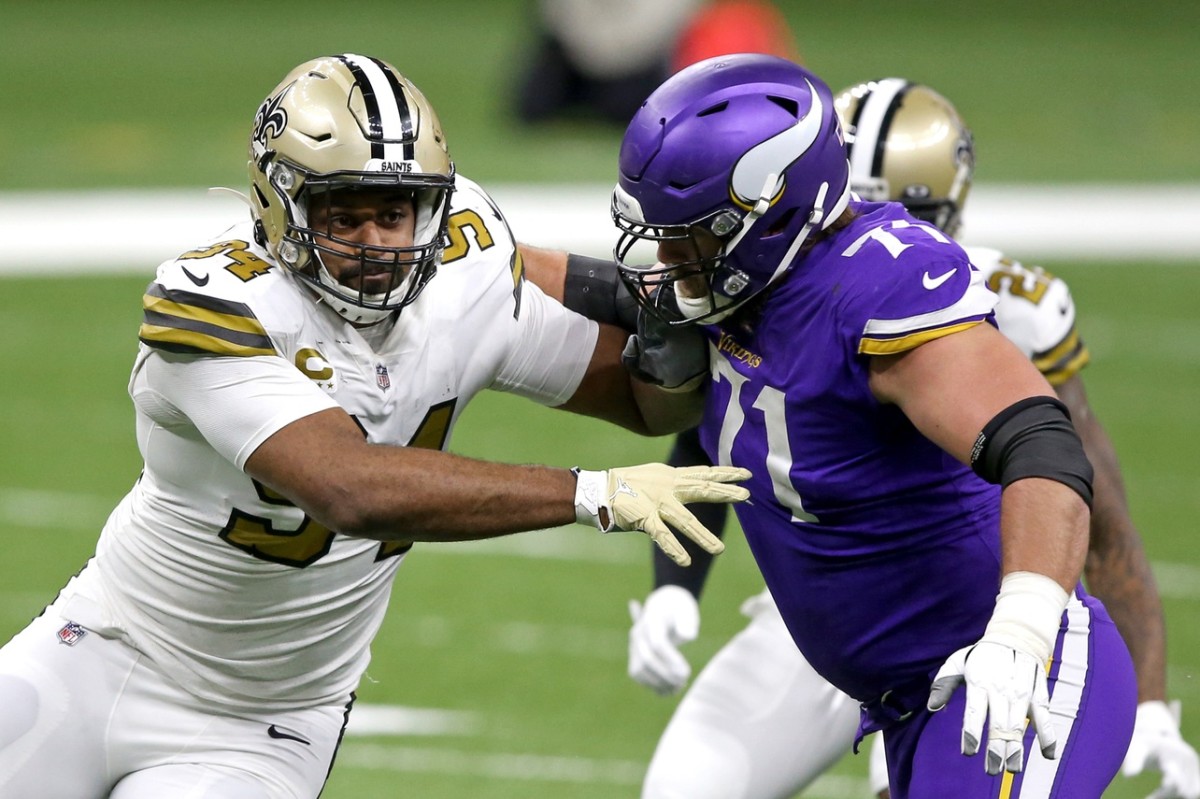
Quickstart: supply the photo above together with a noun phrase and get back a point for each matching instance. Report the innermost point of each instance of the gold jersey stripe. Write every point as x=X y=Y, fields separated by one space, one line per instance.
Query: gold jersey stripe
x=891 y=346
x=165 y=307
x=1063 y=360
x=184 y=321
x=176 y=339
x=1061 y=373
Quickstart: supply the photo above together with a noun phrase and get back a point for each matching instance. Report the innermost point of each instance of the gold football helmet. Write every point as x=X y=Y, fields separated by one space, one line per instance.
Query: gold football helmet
x=349 y=122
x=908 y=144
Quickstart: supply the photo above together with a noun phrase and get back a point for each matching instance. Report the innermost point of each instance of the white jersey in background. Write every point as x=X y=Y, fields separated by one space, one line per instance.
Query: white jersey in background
x=232 y=591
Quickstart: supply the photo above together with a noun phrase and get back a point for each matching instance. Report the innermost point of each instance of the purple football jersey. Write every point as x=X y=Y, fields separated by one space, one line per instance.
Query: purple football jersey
x=881 y=550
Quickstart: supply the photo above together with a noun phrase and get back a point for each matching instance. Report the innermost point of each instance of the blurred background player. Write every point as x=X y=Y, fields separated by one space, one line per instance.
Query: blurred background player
x=600 y=59
x=758 y=722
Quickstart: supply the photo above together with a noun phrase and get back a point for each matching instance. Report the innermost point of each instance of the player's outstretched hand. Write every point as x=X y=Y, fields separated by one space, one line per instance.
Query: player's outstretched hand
x=651 y=498
x=669 y=618
x=1005 y=673
x=1157 y=744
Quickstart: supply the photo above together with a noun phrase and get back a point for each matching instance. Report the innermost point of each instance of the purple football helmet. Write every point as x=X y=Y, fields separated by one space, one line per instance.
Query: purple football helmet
x=747 y=147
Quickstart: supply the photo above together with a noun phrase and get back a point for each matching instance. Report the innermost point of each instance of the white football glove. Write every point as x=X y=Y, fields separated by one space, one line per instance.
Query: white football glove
x=669 y=618
x=651 y=496
x=1005 y=673
x=1158 y=745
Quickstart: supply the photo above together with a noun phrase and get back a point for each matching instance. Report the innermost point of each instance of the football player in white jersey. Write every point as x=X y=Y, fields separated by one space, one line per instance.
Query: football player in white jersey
x=758 y=722
x=297 y=380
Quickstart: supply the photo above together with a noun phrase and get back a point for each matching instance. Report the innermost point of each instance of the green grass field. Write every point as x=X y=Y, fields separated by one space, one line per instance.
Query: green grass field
x=529 y=635
x=134 y=92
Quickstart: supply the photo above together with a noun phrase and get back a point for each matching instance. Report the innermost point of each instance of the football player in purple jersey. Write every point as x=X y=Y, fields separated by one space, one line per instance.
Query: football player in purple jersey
x=920 y=500
x=758 y=722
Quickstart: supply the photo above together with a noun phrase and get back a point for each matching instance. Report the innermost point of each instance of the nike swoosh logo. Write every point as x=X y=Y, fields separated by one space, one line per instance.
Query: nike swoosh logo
x=933 y=282
x=274 y=731
x=197 y=280
x=776 y=154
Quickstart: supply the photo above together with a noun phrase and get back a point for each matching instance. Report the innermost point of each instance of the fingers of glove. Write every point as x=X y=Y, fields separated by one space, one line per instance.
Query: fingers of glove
x=683 y=520
x=1180 y=767
x=654 y=659
x=696 y=491
x=713 y=474
x=635 y=610
x=661 y=535
x=975 y=711
x=947 y=679
x=673 y=608
x=1039 y=716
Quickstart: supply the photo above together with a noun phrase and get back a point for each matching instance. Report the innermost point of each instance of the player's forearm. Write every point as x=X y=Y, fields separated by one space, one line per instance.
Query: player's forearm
x=1044 y=530
x=1122 y=580
x=667 y=411
x=323 y=464
x=427 y=495
x=1119 y=574
x=1117 y=570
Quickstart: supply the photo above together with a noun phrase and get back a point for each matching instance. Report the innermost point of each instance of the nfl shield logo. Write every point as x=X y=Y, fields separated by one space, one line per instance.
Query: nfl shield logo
x=71 y=634
x=381 y=377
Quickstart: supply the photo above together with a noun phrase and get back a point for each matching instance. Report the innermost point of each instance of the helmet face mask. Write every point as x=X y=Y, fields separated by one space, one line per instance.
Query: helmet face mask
x=681 y=292
x=743 y=149
x=908 y=144
x=350 y=124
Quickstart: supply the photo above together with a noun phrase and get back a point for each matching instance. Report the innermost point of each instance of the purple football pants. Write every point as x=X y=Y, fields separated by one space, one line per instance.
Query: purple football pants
x=1093 y=698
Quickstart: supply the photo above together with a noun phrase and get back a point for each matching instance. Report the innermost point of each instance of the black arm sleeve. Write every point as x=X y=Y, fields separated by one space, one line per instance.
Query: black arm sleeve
x=687 y=452
x=1033 y=438
x=594 y=289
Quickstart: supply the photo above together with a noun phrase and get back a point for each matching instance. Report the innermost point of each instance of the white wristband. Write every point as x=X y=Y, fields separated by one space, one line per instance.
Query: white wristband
x=591 y=504
x=1028 y=614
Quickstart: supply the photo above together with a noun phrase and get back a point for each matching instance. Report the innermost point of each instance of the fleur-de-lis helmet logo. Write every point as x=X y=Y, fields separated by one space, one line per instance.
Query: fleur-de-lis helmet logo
x=270 y=120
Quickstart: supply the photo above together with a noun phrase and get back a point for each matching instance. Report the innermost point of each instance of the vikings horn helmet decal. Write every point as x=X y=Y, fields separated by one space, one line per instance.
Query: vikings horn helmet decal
x=746 y=147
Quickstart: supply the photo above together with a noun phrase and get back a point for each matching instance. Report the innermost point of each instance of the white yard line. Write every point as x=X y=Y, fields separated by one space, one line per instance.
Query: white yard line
x=379 y=720
x=53 y=509
x=75 y=511
x=540 y=768
x=131 y=232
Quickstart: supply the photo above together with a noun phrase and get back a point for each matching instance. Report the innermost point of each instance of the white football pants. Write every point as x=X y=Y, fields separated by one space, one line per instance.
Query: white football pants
x=87 y=717
x=757 y=723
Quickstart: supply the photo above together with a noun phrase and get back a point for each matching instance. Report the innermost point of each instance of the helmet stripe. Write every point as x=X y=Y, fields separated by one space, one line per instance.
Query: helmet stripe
x=389 y=118
x=871 y=122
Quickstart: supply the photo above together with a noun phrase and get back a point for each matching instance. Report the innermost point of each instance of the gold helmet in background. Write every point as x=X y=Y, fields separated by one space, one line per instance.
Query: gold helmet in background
x=908 y=144
x=349 y=122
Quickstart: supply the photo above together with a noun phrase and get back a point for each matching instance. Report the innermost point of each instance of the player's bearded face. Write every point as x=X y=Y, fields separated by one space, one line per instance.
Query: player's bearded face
x=691 y=254
x=349 y=225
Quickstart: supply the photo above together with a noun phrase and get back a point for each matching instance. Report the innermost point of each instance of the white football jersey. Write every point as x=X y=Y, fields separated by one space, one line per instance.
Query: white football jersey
x=233 y=591
x=1035 y=311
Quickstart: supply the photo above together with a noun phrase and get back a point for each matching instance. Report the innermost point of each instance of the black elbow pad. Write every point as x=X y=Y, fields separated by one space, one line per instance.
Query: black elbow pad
x=594 y=289
x=1033 y=438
